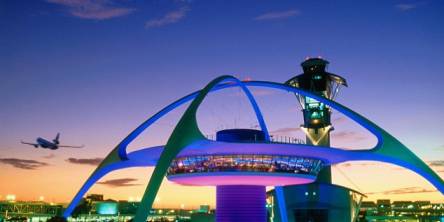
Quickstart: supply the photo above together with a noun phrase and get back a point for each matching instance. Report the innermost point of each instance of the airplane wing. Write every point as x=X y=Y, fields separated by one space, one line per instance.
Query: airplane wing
x=32 y=144
x=65 y=146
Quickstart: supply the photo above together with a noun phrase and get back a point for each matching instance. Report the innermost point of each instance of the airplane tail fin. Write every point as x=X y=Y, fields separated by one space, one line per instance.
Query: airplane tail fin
x=56 y=140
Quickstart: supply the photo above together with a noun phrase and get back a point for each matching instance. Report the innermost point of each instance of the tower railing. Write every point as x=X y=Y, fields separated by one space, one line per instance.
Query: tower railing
x=273 y=139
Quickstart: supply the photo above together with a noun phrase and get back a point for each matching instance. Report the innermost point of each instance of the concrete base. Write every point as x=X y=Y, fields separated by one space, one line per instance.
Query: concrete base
x=318 y=202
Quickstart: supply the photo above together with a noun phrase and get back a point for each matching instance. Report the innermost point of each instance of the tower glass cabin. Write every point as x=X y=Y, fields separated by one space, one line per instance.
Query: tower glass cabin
x=317 y=115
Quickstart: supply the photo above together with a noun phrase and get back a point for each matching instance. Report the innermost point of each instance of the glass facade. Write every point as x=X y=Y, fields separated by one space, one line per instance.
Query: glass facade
x=245 y=163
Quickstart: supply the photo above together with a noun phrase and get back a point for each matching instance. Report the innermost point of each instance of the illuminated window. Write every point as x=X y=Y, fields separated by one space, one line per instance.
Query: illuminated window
x=317 y=77
x=245 y=163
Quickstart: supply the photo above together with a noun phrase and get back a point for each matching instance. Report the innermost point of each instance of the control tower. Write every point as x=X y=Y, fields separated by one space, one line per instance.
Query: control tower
x=317 y=125
x=321 y=200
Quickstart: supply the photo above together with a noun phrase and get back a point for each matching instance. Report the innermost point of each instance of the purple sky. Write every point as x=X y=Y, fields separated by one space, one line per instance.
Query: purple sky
x=94 y=70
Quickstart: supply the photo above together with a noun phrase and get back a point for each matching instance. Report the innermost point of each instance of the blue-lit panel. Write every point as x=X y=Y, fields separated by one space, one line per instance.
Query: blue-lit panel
x=106 y=208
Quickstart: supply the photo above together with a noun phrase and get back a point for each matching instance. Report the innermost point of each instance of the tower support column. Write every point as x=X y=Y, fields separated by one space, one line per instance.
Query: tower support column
x=240 y=203
x=320 y=137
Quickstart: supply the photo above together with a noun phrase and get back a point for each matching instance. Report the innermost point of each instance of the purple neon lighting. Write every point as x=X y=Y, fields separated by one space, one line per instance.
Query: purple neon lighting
x=241 y=178
x=150 y=156
x=241 y=203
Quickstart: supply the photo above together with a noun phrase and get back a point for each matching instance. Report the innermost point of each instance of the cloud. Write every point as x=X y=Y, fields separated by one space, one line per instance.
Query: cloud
x=263 y=92
x=124 y=182
x=436 y=163
x=23 y=164
x=359 y=164
x=405 y=6
x=286 y=130
x=371 y=164
x=92 y=161
x=405 y=190
x=348 y=135
x=398 y=168
x=169 y=18
x=340 y=119
x=278 y=15
x=440 y=147
x=255 y=92
x=409 y=6
x=50 y=156
x=93 y=9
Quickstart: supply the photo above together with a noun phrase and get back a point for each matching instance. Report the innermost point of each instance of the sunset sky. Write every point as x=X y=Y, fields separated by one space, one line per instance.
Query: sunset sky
x=93 y=70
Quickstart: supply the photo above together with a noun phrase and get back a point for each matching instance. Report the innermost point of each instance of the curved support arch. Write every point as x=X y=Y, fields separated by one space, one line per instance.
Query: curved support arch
x=185 y=133
x=373 y=128
x=104 y=169
x=119 y=153
x=95 y=176
x=123 y=154
x=257 y=111
x=388 y=149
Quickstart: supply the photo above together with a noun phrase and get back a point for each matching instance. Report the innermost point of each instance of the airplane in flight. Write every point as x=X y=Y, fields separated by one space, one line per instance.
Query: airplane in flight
x=55 y=144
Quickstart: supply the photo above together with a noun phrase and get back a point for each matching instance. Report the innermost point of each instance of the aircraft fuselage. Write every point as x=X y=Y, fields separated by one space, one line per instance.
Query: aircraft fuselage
x=46 y=144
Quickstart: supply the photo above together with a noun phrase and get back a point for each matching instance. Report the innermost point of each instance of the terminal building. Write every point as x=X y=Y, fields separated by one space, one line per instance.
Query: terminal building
x=32 y=211
x=408 y=211
x=123 y=211
x=240 y=163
